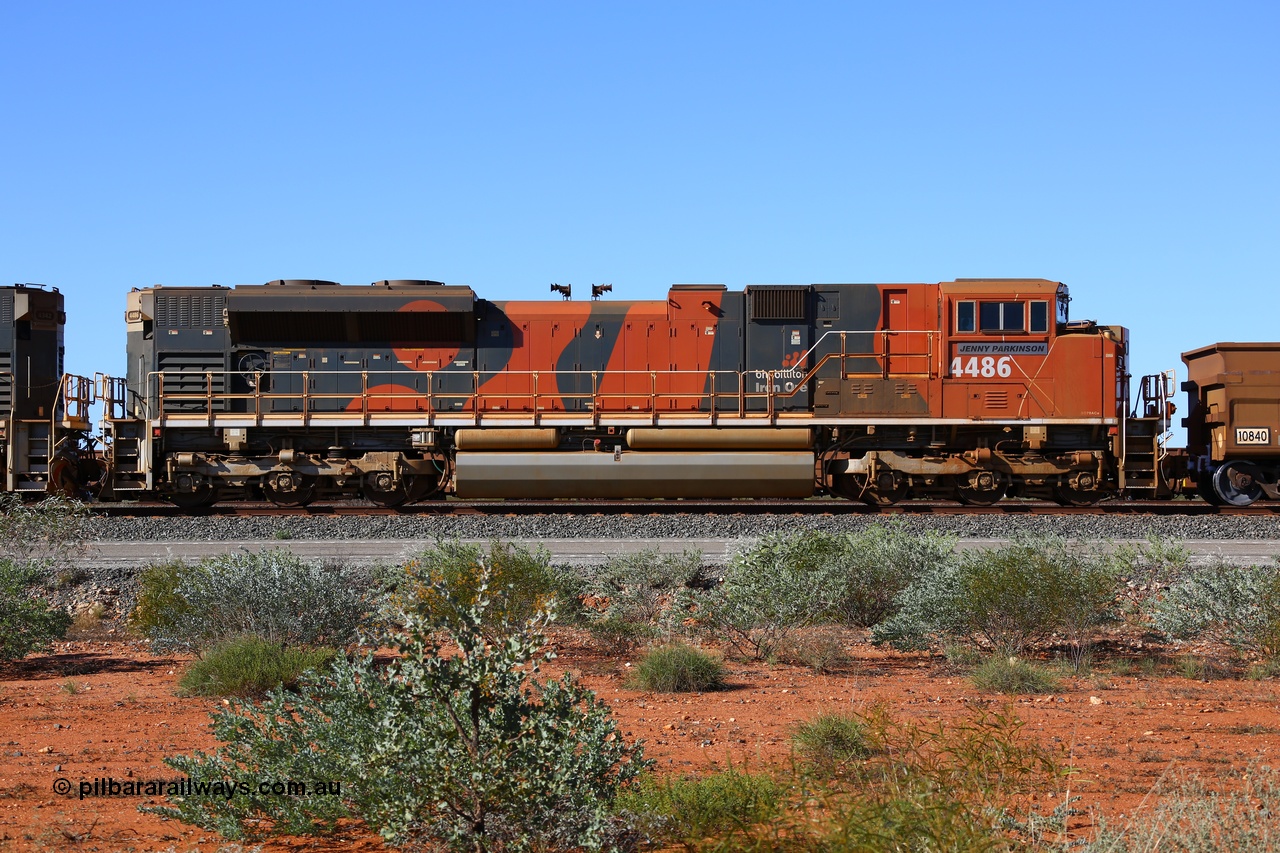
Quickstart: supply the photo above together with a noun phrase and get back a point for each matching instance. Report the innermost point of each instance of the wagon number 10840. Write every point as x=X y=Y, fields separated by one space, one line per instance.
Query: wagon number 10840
x=987 y=366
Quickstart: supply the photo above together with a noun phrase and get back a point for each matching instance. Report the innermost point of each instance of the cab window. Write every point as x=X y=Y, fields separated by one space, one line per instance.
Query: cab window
x=1002 y=317
x=965 y=317
x=1039 y=317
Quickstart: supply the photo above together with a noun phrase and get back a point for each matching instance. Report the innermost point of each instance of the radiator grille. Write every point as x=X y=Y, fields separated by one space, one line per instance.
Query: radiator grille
x=6 y=378
x=778 y=303
x=189 y=310
x=192 y=373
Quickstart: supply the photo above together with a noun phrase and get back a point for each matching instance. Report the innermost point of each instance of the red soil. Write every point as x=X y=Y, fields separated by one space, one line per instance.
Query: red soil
x=107 y=709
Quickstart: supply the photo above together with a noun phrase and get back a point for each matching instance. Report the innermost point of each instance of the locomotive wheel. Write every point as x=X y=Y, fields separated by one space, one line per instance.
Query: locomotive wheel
x=886 y=489
x=302 y=493
x=1236 y=483
x=969 y=489
x=979 y=497
x=377 y=490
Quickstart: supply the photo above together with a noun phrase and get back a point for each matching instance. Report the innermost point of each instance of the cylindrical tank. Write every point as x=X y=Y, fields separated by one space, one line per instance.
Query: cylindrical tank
x=507 y=439
x=746 y=438
x=652 y=474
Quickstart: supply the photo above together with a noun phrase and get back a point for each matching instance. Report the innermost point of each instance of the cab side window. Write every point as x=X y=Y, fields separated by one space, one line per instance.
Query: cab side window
x=965 y=317
x=1039 y=316
x=1002 y=317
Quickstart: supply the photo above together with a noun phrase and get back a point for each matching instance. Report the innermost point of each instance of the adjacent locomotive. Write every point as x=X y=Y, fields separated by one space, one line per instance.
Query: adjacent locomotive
x=406 y=390
x=44 y=413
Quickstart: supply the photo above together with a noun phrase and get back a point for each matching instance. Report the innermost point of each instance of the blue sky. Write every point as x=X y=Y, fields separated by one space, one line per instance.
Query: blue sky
x=1128 y=149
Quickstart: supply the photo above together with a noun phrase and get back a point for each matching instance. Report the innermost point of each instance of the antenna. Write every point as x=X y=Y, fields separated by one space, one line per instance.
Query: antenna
x=565 y=290
x=597 y=290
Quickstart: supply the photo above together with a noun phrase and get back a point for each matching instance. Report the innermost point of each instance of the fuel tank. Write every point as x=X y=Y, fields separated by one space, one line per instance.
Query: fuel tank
x=650 y=474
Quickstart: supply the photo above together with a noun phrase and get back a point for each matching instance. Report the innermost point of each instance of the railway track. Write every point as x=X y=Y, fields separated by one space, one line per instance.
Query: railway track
x=696 y=507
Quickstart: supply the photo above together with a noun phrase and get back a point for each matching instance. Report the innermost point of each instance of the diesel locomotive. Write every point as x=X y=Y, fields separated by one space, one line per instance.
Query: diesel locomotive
x=408 y=390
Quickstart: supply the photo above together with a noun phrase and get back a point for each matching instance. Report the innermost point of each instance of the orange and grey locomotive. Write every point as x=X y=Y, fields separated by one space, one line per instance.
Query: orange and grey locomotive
x=408 y=390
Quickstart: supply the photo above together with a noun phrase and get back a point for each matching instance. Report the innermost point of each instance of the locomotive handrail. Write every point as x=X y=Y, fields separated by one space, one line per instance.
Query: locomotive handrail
x=642 y=392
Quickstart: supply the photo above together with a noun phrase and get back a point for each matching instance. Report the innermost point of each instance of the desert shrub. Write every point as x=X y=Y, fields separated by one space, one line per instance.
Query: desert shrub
x=1008 y=598
x=638 y=597
x=272 y=594
x=249 y=666
x=1151 y=562
x=678 y=669
x=1012 y=676
x=440 y=580
x=639 y=587
x=688 y=812
x=955 y=786
x=49 y=533
x=791 y=581
x=820 y=649
x=27 y=622
x=620 y=637
x=831 y=740
x=1188 y=817
x=1237 y=605
x=469 y=748
x=871 y=567
x=760 y=601
x=38 y=542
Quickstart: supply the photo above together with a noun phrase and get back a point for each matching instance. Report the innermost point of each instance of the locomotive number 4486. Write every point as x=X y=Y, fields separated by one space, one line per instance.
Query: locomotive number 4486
x=1253 y=435
x=986 y=367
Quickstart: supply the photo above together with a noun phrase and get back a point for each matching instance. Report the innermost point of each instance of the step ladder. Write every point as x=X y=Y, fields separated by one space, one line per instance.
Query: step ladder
x=126 y=439
x=1147 y=431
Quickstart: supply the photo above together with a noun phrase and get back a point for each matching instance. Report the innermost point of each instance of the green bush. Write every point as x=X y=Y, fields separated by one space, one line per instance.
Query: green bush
x=953 y=786
x=620 y=637
x=831 y=740
x=446 y=578
x=638 y=597
x=249 y=666
x=37 y=544
x=691 y=811
x=678 y=669
x=1012 y=676
x=273 y=595
x=791 y=581
x=469 y=748
x=819 y=649
x=1237 y=605
x=48 y=533
x=27 y=622
x=1008 y=598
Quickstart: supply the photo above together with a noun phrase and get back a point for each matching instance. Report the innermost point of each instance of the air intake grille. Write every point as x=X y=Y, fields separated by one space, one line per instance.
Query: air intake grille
x=193 y=374
x=6 y=378
x=6 y=309
x=189 y=310
x=778 y=303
